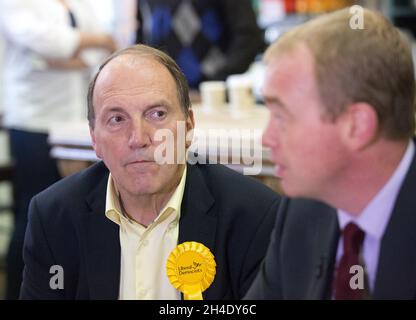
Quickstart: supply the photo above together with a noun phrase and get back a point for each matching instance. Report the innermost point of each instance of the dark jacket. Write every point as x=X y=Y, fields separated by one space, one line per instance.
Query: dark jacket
x=230 y=214
x=300 y=259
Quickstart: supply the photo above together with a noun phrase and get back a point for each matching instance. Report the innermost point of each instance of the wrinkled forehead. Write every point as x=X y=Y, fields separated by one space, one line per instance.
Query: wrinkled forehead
x=129 y=72
x=132 y=65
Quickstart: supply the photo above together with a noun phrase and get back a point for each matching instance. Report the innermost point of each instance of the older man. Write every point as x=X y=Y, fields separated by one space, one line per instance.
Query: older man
x=341 y=126
x=111 y=227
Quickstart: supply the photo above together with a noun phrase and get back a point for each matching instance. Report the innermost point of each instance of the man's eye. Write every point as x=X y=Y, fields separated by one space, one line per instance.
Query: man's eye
x=116 y=119
x=157 y=115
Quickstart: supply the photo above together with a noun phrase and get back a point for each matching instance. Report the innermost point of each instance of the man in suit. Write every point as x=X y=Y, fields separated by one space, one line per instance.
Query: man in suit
x=111 y=227
x=341 y=103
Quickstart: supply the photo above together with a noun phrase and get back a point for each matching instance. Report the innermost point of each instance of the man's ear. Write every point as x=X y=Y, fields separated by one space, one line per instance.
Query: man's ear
x=190 y=125
x=94 y=142
x=361 y=125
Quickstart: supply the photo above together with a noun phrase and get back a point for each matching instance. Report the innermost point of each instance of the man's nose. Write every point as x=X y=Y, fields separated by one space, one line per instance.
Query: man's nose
x=139 y=136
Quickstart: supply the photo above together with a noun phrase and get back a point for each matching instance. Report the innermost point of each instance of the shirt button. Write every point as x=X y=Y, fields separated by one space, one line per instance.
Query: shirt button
x=145 y=243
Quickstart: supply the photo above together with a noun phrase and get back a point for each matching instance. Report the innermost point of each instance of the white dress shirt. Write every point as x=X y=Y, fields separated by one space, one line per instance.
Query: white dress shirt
x=144 y=250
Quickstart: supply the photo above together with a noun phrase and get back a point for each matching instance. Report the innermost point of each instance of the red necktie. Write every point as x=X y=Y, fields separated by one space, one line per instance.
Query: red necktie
x=353 y=238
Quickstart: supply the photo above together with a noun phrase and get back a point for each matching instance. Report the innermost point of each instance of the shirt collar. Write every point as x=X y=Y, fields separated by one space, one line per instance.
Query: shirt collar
x=375 y=216
x=114 y=211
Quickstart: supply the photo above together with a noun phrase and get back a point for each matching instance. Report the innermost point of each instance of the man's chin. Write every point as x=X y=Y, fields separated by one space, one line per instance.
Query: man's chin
x=288 y=188
x=298 y=191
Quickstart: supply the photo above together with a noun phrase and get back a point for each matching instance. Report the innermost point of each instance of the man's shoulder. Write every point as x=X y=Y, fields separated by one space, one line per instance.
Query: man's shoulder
x=235 y=195
x=227 y=181
x=75 y=186
x=301 y=213
x=303 y=205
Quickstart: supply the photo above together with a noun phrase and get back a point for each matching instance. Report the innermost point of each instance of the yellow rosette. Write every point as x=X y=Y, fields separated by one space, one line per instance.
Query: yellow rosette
x=191 y=269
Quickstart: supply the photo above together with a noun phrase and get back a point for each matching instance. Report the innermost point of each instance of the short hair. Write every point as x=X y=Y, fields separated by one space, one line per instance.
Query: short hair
x=143 y=51
x=372 y=65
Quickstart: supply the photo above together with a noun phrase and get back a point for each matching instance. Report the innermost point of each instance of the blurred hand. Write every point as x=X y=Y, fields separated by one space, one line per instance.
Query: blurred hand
x=110 y=43
x=66 y=64
x=96 y=40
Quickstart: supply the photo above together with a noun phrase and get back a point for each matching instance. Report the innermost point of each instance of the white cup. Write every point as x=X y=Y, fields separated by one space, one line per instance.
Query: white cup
x=240 y=92
x=212 y=94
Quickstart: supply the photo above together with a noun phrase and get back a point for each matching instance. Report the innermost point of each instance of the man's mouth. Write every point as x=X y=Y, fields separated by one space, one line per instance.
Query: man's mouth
x=139 y=162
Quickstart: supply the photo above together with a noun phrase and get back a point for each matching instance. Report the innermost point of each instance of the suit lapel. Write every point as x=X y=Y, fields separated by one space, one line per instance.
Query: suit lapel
x=396 y=273
x=324 y=249
x=197 y=223
x=102 y=247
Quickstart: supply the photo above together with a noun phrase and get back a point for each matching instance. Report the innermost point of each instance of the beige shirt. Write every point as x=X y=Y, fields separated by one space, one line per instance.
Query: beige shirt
x=144 y=250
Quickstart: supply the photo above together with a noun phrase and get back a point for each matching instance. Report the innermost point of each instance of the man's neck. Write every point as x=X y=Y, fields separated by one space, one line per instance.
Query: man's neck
x=365 y=177
x=144 y=209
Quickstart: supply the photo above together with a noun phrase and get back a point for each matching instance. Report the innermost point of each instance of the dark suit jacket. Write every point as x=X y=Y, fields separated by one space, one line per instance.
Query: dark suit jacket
x=230 y=214
x=300 y=259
